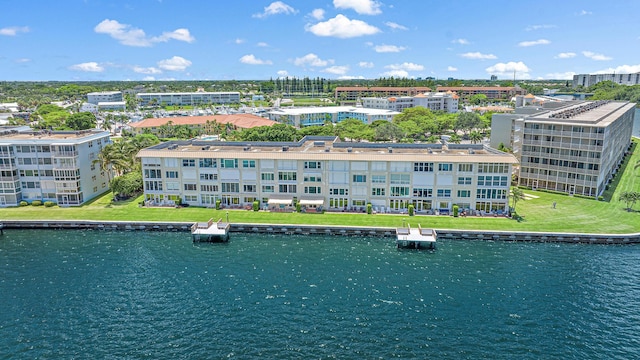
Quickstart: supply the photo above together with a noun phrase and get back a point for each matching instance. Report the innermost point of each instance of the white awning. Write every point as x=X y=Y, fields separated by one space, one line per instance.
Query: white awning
x=311 y=202
x=280 y=201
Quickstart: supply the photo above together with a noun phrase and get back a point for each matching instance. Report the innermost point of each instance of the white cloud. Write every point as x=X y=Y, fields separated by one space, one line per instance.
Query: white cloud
x=311 y=59
x=451 y=68
x=388 y=48
x=538 y=27
x=395 y=26
x=276 y=7
x=282 y=73
x=560 y=76
x=91 y=66
x=365 y=64
x=317 y=14
x=239 y=41
x=460 y=41
x=341 y=27
x=146 y=70
x=176 y=63
x=263 y=44
x=363 y=7
x=534 y=43
x=622 y=69
x=396 y=73
x=13 y=30
x=597 y=57
x=252 y=60
x=350 y=77
x=336 y=70
x=565 y=55
x=149 y=78
x=130 y=36
x=478 y=56
x=585 y=12
x=507 y=70
x=406 y=66
x=22 y=60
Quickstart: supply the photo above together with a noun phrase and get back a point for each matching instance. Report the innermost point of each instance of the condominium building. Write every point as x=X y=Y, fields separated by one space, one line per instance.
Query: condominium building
x=188 y=98
x=323 y=172
x=447 y=102
x=104 y=96
x=491 y=92
x=352 y=93
x=574 y=147
x=586 y=80
x=317 y=116
x=54 y=166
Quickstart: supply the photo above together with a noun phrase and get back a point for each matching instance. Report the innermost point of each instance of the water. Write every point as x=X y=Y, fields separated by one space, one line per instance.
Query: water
x=146 y=295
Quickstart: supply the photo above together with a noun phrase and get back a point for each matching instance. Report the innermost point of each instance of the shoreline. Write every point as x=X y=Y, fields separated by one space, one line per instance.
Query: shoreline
x=333 y=230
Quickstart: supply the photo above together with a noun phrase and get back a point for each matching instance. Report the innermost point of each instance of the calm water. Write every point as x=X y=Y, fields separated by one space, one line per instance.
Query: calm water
x=136 y=295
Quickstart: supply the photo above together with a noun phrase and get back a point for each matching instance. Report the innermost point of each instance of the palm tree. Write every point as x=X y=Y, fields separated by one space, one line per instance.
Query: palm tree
x=475 y=137
x=516 y=195
x=455 y=139
x=630 y=198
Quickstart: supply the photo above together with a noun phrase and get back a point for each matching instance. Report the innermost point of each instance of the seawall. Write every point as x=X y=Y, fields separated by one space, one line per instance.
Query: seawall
x=290 y=229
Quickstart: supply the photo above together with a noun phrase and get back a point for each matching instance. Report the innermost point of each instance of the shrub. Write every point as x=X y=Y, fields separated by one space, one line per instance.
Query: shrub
x=36 y=203
x=455 y=210
x=49 y=203
x=298 y=207
x=218 y=204
x=256 y=205
x=411 y=210
x=369 y=209
x=23 y=203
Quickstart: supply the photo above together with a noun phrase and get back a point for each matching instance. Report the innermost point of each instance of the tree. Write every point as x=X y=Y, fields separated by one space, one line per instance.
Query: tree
x=475 y=137
x=127 y=185
x=478 y=99
x=353 y=129
x=388 y=132
x=516 y=195
x=468 y=121
x=455 y=139
x=81 y=121
x=630 y=198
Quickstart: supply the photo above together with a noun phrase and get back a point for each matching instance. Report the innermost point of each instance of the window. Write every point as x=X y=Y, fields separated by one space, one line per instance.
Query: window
x=359 y=178
x=287 y=176
x=267 y=188
x=464 y=193
x=152 y=174
x=312 y=178
x=399 y=190
x=336 y=191
x=377 y=191
x=402 y=179
x=312 y=190
x=267 y=176
x=208 y=163
x=422 y=192
x=229 y=163
x=191 y=198
x=153 y=185
x=287 y=188
x=248 y=164
x=209 y=188
x=208 y=177
x=173 y=186
x=378 y=179
x=493 y=168
x=445 y=167
x=313 y=165
x=423 y=166
x=231 y=187
x=190 y=187
x=444 y=192
x=249 y=188
x=465 y=167
x=171 y=174
x=188 y=162
x=464 y=180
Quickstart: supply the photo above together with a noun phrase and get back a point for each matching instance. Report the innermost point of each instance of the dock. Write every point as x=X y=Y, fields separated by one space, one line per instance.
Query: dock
x=210 y=231
x=415 y=238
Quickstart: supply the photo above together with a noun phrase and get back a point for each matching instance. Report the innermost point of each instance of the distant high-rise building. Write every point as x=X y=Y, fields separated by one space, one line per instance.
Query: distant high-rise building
x=586 y=80
x=494 y=78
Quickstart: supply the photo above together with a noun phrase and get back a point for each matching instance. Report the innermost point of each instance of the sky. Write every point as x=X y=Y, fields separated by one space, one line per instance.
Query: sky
x=144 y=40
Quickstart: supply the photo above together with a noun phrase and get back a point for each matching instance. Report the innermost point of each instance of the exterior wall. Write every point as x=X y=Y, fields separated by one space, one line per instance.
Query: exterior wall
x=338 y=184
x=494 y=92
x=300 y=118
x=353 y=93
x=194 y=98
x=107 y=96
x=52 y=169
x=433 y=101
x=587 y=80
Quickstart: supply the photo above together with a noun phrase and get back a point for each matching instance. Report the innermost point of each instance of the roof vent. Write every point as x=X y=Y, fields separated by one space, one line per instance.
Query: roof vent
x=285 y=148
x=471 y=151
x=390 y=149
x=247 y=147
x=327 y=149
x=430 y=150
x=349 y=149
x=206 y=147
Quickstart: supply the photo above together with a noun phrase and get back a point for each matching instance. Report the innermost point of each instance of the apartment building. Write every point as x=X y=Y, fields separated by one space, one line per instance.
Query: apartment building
x=447 y=102
x=586 y=80
x=491 y=92
x=54 y=166
x=323 y=172
x=104 y=96
x=352 y=93
x=574 y=147
x=317 y=116
x=188 y=98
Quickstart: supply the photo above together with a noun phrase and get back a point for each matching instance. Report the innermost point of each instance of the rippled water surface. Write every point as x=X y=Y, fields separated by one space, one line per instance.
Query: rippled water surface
x=90 y=294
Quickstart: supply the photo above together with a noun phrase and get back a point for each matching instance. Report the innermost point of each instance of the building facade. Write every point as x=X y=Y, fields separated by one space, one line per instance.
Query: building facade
x=104 y=96
x=188 y=98
x=447 y=102
x=323 y=172
x=317 y=116
x=575 y=147
x=491 y=92
x=586 y=80
x=352 y=93
x=55 y=166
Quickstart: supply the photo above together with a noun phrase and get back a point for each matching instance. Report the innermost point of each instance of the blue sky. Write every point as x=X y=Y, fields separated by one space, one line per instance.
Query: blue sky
x=337 y=39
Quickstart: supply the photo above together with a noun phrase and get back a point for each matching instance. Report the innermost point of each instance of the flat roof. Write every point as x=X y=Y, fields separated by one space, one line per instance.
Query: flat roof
x=240 y=120
x=51 y=136
x=329 y=148
x=593 y=113
x=191 y=93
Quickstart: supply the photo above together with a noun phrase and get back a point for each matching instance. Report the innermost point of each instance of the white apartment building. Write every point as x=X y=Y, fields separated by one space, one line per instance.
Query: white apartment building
x=574 y=147
x=440 y=101
x=586 y=80
x=51 y=166
x=104 y=96
x=323 y=172
x=188 y=98
x=317 y=116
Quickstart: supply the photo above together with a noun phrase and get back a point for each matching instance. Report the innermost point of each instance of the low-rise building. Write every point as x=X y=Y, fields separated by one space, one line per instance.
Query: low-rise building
x=586 y=80
x=491 y=92
x=325 y=173
x=59 y=166
x=447 y=102
x=188 y=98
x=352 y=93
x=318 y=116
x=104 y=96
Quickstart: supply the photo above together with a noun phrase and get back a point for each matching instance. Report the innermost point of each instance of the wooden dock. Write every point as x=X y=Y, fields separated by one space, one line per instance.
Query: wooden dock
x=211 y=231
x=415 y=238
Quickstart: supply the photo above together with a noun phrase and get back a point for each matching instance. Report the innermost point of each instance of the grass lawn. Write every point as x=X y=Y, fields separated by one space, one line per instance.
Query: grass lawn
x=571 y=214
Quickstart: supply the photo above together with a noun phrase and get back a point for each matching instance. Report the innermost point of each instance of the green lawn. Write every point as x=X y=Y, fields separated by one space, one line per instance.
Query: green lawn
x=570 y=215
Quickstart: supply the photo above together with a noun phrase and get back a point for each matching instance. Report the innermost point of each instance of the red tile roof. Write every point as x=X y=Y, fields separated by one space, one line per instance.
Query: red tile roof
x=244 y=121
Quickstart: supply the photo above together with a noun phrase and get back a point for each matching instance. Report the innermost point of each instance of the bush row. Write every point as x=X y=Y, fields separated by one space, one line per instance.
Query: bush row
x=38 y=203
